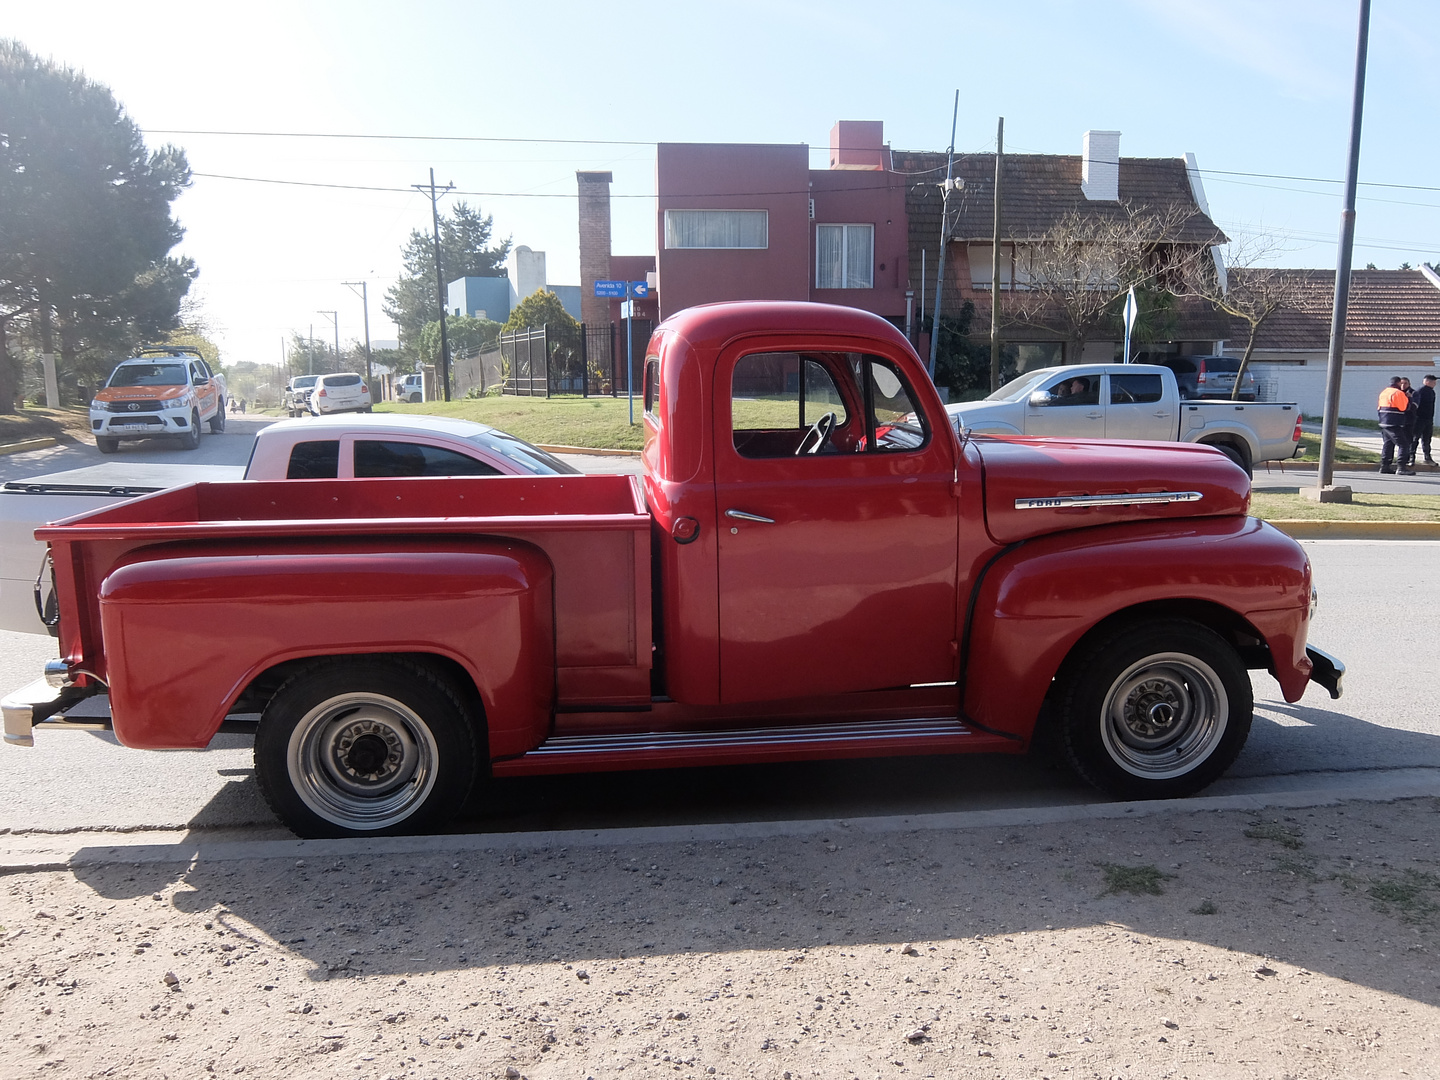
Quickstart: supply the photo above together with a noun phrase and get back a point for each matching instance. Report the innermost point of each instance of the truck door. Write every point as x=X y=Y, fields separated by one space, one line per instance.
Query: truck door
x=1074 y=410
x=837 y=526
x=1136 y=408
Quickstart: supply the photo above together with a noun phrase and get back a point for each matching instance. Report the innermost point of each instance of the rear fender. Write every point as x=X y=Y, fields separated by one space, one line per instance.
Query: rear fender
x=188 y=627
x=1042 y=597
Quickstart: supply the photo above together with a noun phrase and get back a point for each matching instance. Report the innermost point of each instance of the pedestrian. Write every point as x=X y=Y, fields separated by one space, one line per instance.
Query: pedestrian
x=1406 y=459
x=1393 y=406
x=1425 y=418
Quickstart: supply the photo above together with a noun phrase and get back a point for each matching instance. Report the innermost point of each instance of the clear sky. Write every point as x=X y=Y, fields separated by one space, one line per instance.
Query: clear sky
x=512 y=98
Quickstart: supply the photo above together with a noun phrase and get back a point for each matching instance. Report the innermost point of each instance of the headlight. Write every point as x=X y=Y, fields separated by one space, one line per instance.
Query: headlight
x=184 y=401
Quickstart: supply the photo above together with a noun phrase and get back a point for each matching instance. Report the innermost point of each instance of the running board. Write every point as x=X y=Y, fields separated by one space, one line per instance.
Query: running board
x=734 y=746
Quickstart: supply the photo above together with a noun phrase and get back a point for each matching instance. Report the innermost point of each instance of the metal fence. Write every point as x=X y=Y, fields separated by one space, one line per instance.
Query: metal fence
x=542 y=361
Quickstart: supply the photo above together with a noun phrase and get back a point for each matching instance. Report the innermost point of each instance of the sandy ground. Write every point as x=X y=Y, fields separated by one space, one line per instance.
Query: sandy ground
x=1299 y=943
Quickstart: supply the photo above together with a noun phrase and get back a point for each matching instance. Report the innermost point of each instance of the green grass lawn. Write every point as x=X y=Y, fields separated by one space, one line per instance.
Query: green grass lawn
x=598 y=422
x=1344 y=452
x=1284 y=506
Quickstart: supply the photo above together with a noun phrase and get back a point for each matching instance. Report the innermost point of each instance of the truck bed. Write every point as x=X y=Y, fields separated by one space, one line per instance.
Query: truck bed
x=595 y=530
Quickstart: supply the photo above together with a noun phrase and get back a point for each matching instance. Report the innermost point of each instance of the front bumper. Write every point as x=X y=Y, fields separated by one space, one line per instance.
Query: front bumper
x=139 y=425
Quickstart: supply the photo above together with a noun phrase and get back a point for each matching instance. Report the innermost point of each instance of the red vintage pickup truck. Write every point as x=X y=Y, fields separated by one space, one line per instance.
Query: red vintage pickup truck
x=815 y=565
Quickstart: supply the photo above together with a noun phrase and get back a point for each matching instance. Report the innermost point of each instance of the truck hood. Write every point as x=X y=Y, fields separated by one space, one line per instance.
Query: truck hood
x=140 y=393
x=1038 y=486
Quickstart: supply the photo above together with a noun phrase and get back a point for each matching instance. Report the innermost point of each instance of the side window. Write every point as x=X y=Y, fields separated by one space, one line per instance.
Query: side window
x=197 y=375
x=374 y=458
x=898 y=425
x=1134 y=389
x=314 y=460
x=775 y=398
x=652 y=383
x=1074 y=390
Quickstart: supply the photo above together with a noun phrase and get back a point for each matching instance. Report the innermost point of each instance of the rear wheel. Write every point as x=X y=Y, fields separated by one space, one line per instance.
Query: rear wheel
x=217 y=422
x=364 y=747
x=1237 y=456
x=1155 y=710
x=107 y=444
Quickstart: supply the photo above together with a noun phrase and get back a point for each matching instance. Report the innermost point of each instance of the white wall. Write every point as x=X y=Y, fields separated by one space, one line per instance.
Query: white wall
x=1360 y=383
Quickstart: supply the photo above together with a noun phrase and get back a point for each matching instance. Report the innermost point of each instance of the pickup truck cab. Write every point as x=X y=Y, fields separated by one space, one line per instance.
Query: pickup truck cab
x=815 y=565
x=161 y=391
x=1135 y=402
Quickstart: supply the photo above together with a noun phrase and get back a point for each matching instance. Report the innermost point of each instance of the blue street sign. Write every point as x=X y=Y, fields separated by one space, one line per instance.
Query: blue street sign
x=639 y=289
x=610 y=288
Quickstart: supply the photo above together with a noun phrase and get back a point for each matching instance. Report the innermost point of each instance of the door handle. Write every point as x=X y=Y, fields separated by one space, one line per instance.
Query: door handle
x=741 y=515
x=1094 y=415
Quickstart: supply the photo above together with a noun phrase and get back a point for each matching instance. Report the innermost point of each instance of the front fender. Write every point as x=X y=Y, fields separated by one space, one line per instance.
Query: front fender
x=188 y=627
x=1041 y=597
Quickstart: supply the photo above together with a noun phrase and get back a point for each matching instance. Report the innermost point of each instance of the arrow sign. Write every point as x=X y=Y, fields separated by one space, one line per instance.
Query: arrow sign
x=639 y=289
x=1132 y=309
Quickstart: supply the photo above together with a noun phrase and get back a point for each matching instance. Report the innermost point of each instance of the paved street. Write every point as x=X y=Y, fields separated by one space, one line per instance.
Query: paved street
x=1378 y=612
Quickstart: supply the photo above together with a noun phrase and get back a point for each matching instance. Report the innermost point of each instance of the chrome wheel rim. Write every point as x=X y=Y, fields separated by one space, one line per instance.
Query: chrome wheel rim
x=364 y=761
x=1164 y=715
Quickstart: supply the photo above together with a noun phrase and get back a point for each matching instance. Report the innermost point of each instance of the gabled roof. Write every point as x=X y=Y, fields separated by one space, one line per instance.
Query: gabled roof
x=1038 y=191
x=1389 y=310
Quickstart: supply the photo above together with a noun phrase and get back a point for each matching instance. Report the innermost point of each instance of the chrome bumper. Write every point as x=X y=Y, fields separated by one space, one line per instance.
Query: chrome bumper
x=1326 y=670
x=42 y=704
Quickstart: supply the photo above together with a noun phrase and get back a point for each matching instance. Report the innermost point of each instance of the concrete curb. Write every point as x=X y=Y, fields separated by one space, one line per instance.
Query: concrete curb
x=40 y=442
x=1358 y=530
x=70 y=851
x=589 y=451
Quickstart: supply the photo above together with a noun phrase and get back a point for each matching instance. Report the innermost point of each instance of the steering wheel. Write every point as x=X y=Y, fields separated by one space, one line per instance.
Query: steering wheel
x=820 y=432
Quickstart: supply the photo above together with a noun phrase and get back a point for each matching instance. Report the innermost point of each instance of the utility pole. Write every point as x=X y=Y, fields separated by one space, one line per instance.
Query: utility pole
x=1325 y=490
x=995 y=266
x=334 y=317
x=365 y=306
x=944 y=235
x=310 y=350
x=435 y=194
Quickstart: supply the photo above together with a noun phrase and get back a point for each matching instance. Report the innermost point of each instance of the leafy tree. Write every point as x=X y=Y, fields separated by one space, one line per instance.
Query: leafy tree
x=540 y=308
x=465 y=251
x=467 y=335
x=85 y=223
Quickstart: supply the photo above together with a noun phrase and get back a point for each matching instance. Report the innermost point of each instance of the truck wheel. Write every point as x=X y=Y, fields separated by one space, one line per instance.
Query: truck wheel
x=217 y=422
x=1236 y=456
x=365 y=747
x=191 y=439
x=1155 y=710
x=107 y=444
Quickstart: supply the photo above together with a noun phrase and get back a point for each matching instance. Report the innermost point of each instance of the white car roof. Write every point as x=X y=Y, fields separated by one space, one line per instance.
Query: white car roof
x=388 y=423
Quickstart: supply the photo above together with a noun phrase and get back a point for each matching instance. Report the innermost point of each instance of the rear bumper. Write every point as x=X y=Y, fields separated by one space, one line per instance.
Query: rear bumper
x=41 y=704
x=1326 y=670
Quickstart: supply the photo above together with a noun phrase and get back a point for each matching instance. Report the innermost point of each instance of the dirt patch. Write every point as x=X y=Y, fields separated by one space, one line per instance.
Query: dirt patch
x=1010 y=952
x=32 y=422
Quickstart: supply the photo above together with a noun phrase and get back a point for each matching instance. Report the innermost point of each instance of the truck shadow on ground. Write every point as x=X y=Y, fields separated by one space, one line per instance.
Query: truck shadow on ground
x=1306 y=887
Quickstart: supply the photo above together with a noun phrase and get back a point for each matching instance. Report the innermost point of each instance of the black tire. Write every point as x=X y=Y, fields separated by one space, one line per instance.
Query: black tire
x=1154 y=710
x=365 y=746
x=217 y=422
x=191 y=439
x=107 y=444
x=414 y=399
x=1237 y=456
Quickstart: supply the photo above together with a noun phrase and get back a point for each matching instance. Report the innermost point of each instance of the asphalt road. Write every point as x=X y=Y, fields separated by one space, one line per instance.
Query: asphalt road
x=1378 y=612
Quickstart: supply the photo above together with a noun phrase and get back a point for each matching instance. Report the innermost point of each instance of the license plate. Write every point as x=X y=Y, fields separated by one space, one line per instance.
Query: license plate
x=133 y=427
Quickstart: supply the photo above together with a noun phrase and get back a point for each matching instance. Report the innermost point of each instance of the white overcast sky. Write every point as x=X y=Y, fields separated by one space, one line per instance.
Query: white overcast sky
x=1259 y=90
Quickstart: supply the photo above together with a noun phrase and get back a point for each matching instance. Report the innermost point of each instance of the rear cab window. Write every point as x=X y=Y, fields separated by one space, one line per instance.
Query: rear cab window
x=315 y=460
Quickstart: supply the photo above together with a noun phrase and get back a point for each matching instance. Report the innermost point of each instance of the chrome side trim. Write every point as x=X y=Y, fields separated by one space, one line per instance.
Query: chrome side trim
x=742 y=515
x=1139 y=498
x=797 y=734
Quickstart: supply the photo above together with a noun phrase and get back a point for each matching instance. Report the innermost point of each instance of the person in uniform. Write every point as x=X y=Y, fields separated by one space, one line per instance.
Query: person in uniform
x=1392 y=409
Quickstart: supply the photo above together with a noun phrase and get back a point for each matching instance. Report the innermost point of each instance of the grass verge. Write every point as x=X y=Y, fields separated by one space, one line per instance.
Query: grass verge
x=599 y=423
x=33 y=422
x=1367 y=506
x=1344 y=452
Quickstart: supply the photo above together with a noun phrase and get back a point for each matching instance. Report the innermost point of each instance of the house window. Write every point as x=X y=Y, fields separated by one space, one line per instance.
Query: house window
x=844 y=256
x=717 y=228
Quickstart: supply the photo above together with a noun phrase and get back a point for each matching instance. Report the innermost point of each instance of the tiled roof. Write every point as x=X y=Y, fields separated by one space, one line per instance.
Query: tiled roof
x=1038 y=191
x=1389 y=310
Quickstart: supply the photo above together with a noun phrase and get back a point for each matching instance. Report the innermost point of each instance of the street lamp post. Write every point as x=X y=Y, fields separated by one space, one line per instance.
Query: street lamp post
x=365 y=307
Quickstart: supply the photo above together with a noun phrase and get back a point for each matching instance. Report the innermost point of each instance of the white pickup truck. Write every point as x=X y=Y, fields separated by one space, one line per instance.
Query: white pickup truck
x=1135 y=402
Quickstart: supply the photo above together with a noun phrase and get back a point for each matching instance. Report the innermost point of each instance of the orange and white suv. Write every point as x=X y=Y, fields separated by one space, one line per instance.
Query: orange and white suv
x=162 y=391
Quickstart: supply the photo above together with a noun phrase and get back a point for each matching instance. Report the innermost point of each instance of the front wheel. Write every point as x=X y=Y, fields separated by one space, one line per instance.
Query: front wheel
x=191 y=439
x=364 y=747
x=107 y=444
x=217 y=422
x=1155 y=710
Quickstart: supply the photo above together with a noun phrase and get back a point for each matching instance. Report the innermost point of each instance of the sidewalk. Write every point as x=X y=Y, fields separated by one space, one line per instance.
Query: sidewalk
x=1185 y=938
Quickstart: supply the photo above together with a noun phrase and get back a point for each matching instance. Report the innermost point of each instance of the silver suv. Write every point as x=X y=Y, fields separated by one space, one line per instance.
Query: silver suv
x=297 y=394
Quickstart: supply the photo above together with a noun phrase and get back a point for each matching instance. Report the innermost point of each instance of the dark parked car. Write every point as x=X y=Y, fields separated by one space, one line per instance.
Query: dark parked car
x=1208 y=376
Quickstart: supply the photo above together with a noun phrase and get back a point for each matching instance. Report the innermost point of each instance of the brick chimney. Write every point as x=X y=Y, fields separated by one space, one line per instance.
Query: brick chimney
x=1100 y=168
x=594 y=244
x=858 y=144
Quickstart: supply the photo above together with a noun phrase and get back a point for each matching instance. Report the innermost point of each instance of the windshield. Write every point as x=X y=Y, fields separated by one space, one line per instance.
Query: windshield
x=1021 y=387
x=148 y=375
x=303 y=381
x=530 y=458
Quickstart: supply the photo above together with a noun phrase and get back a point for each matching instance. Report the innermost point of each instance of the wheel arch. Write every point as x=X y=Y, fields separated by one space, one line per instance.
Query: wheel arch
x=1235 y=442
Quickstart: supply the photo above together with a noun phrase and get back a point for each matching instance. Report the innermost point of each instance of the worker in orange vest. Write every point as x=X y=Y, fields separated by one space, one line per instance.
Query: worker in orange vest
x=1394 y=427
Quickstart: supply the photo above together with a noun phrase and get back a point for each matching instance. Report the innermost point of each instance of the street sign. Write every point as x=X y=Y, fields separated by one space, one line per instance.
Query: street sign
x=627 y=308
x=639 y=289
x=610 y=288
